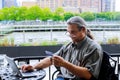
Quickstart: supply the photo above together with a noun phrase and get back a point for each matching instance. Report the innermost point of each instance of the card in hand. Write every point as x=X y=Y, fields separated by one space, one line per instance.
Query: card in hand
x=48 y=53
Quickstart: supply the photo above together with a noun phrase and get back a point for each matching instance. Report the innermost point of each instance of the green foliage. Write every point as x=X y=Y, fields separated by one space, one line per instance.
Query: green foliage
x=100 y=15
x=114 y=40
x=1 y=15
x=43 y=43
x=109 y=15
x=116 y=16
x=25 y=44
x=21 y=14
x=7 y=42
x=59 y=11
x=57 y=17
x=47 y=14
x=13 y=13
x=44 y=14
x=88 y=16
x=10 y=42
x=67 y=15
x=34 y=13
x=58 y=14
x=5 y=12
x=46 y=43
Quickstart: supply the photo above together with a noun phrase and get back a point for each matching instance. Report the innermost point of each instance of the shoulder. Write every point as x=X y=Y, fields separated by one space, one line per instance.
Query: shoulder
x=65 y=47
x=93 y=43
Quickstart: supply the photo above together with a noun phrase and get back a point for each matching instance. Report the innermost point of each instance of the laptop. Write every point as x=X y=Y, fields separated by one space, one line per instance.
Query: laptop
x=18 y=72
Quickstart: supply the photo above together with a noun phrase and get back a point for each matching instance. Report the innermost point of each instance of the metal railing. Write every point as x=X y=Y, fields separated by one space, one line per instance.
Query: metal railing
x=31 y=26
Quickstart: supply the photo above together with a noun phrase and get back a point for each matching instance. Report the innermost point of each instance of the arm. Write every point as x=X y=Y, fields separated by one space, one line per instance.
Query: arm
x=76 y=70
x=43 y=63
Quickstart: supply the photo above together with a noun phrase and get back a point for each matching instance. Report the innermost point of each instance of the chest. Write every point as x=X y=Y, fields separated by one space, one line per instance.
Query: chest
x=75 y=56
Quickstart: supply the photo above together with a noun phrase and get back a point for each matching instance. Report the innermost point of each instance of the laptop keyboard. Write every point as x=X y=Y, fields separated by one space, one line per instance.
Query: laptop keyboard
x=27 y=74
x=33 y=73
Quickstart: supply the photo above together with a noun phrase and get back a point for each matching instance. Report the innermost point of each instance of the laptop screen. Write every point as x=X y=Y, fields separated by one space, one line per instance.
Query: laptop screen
x=17 y=72
x=13 y=66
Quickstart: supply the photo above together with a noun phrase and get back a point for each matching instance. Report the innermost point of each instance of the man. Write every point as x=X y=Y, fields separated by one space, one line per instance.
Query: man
x=80 y=59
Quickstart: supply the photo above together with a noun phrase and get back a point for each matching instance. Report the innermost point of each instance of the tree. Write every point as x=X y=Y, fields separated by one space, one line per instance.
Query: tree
x=67 y=15
x=5 y=13
x=117 y=15
x=21 y=13
x=88 y=16
x=58 y=14
x=47 y=14
x=34 y=13
x=106 y=15
x=109 y=15
x=1 y=15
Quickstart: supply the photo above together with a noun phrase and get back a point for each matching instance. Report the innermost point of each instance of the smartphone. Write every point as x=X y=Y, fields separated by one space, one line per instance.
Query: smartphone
x=48 y=53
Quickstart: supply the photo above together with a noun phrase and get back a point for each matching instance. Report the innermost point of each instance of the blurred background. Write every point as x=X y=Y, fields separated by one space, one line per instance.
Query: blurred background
x=43 y=22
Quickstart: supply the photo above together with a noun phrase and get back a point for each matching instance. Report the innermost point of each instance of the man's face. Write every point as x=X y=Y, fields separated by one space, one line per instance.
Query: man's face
x=75 y=34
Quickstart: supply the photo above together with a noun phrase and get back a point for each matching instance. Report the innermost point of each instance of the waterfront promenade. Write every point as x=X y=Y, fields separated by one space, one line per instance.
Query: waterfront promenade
x=36 y=31
x=55 y=26
x=40 y=32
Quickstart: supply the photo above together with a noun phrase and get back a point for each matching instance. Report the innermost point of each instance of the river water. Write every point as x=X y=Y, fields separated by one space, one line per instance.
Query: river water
x=21 y=37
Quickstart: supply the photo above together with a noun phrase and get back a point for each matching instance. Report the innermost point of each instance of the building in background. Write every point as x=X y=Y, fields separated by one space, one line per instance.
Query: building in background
x=7 y=3
x=1 y=4
x=68 y=5
x=90 y=5
x=71 y=6
x=108 y=5
x=52 y=4
x=76 y=6
x=29 y=3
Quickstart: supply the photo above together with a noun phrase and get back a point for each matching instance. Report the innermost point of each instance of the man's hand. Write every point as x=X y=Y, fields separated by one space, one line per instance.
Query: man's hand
x=58 y=61
x=26 y=68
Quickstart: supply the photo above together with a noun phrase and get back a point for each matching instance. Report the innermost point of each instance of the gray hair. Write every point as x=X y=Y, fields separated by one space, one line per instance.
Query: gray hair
x=77 y=20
